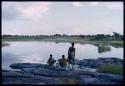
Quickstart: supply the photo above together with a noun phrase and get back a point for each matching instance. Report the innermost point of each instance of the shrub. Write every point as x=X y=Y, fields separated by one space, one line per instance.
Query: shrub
x=103 y=48
x=4 y=44
x=110 y=68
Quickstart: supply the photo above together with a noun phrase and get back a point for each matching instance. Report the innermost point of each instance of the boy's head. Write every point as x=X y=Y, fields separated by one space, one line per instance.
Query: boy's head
x=73 y=44
x=50 y=55
x=63 y=56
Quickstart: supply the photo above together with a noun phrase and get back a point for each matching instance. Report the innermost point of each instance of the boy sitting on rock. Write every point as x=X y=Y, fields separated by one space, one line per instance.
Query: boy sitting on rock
x=63 y=62
x=51 y=61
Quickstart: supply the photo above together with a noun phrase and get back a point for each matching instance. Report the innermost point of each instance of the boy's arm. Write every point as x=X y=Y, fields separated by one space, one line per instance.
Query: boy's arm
x=48 y=62
x=69 y=51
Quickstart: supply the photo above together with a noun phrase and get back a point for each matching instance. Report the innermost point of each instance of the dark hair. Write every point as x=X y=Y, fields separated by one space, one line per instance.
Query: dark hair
x=63 y=56
x=50 y=55
x=73 y=44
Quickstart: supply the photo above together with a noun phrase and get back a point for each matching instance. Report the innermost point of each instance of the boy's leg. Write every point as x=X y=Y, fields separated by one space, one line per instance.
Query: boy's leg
x=73 y=63
x=68 y=63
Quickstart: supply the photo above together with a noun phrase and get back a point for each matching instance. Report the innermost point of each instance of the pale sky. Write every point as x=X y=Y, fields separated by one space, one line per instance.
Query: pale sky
x=48 y=18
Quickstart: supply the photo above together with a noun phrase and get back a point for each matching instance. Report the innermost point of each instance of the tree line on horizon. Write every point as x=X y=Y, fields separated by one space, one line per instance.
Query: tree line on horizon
x=93 y=37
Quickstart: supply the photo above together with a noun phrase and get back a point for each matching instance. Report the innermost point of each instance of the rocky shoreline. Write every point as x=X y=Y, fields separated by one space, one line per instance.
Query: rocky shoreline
x=35 y=73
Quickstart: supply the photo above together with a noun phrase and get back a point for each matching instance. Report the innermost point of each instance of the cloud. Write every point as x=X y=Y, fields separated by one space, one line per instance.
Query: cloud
x=109 y=5
x=72 y=22
x=80 y=28
x=25 y=10
x=9 y=11
x=94 y=3
x=34 y=10
x=114 y=5
x=76 y=4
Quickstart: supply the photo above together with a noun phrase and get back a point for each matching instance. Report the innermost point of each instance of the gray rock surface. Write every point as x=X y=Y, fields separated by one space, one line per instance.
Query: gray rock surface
x=59 y=77
x=35 y=73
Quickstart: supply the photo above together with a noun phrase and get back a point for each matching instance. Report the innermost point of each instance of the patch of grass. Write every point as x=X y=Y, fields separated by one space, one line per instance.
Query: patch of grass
x=71 y=81
x=117 y=43
x=66 y=80
x=103 y=48
x=110 y=68
x=4 y=44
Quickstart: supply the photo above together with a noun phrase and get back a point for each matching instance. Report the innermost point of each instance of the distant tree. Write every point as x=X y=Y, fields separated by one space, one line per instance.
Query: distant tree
x=117 y=36
x=99 y=37
x=57 y=35
x=82 y=36
x=65 y=35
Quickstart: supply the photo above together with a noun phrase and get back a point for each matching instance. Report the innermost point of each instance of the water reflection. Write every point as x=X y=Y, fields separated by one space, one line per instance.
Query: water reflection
x=33 y=58
x=9 y=58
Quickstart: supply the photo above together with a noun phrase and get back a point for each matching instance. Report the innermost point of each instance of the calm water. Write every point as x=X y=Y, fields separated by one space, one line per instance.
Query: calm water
x=38 y=52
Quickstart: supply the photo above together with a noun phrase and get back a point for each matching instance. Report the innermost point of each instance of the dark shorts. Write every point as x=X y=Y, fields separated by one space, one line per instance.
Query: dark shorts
x=70 y=60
